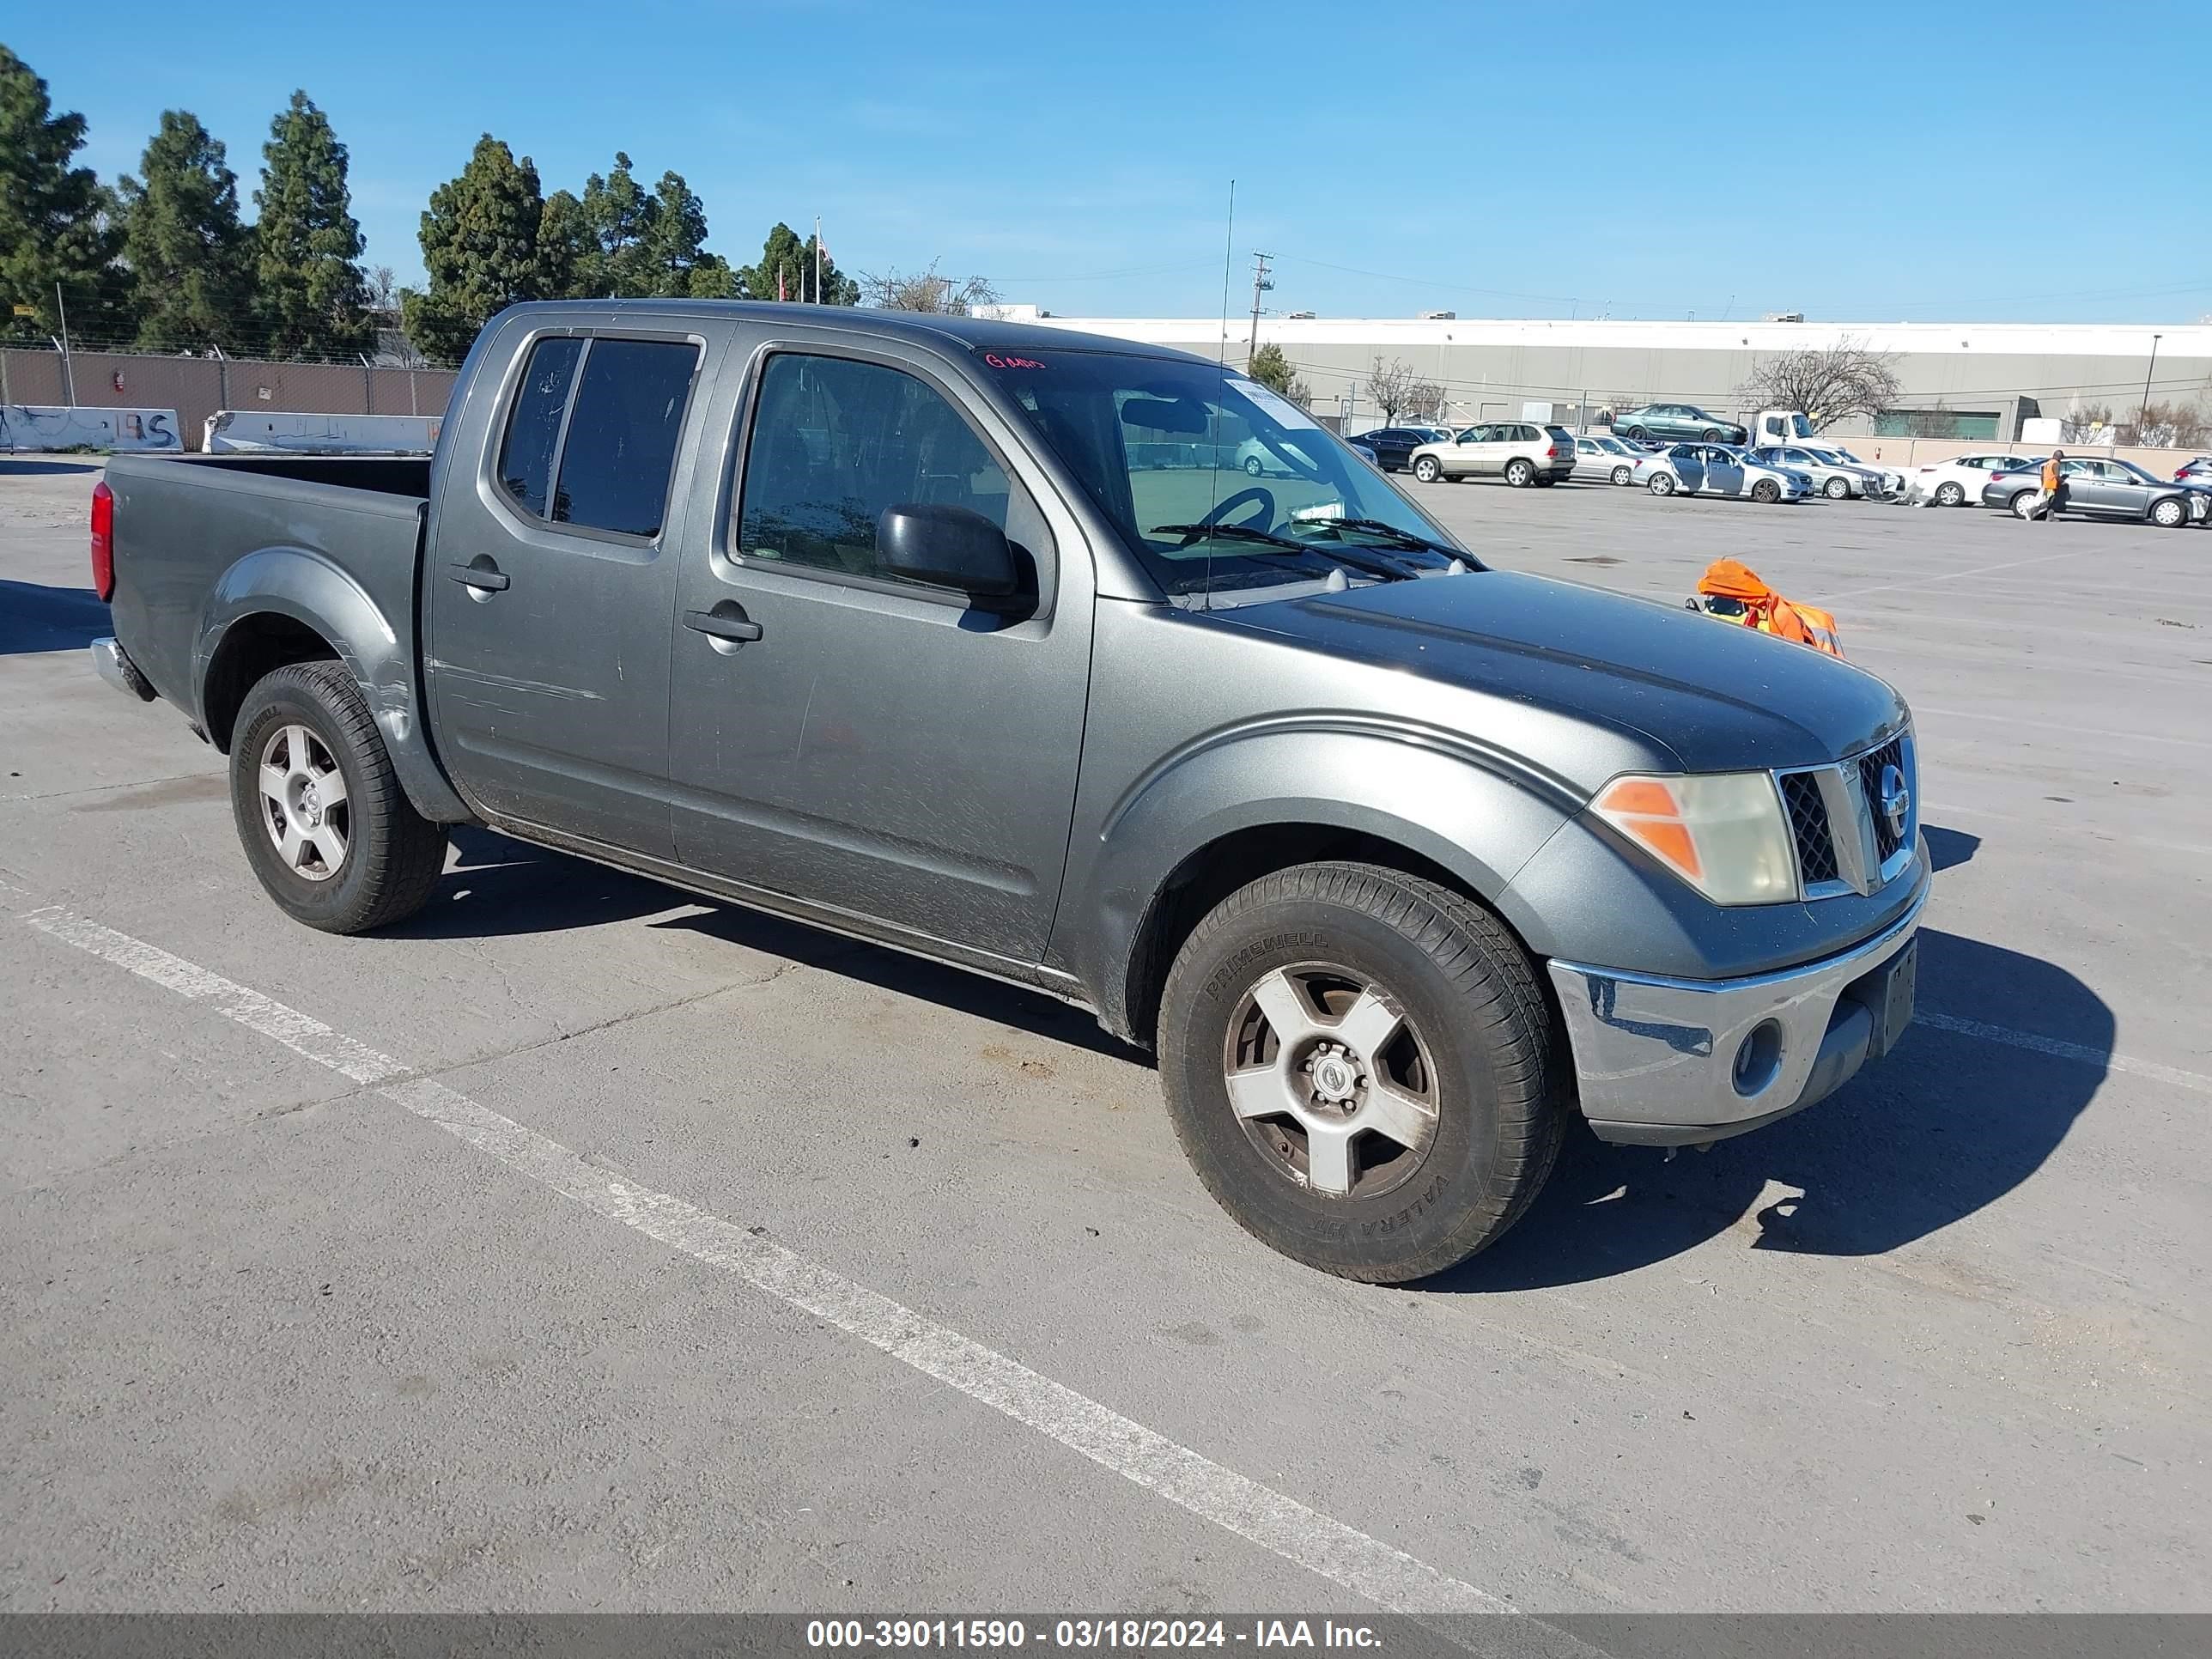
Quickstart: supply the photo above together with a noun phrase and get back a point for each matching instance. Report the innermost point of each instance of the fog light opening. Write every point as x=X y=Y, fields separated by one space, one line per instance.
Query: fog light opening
x=1758 y=1059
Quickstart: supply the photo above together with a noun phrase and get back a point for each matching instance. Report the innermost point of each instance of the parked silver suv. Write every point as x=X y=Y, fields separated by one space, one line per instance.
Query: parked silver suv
x=1522 y=453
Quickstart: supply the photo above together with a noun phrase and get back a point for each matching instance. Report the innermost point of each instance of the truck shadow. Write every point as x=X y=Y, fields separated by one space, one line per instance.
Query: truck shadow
x=494 y=886
x=1945 y=1125
x=37 y=618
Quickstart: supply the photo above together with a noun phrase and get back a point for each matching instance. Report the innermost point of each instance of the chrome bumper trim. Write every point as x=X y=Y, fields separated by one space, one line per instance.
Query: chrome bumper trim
x=1656 y=1051
x=115 y=667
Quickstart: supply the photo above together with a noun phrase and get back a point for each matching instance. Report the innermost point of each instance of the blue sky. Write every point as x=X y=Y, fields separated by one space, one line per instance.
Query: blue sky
x=1864 y=161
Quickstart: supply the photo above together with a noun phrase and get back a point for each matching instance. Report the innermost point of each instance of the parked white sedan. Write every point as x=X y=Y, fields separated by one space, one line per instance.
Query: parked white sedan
x=1719 y=469
x=1958 y=482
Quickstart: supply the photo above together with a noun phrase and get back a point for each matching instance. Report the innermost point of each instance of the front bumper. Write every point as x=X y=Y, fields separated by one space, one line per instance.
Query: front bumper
x=1675 y=1062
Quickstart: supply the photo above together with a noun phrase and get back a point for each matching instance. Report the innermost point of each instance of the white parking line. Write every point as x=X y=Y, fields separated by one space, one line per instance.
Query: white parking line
x=2057 y=1050
x=1345 y=1556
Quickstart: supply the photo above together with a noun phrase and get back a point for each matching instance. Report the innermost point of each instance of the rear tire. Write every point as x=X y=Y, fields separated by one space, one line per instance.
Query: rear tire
x=362 y=857
x=1950 y=494
x=1663 y=484
x=1622 y=475
x=1836 y=489
x=1253 y=466
x=2023 y=502
x=1325 y=1010
x=1520 y=474
x=1637 y=435
x=1428 y=468
x=1766 y=492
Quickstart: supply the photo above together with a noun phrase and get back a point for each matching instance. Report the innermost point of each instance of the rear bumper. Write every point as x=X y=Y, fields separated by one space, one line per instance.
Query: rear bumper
x=1667 y=1063
x=114 y=665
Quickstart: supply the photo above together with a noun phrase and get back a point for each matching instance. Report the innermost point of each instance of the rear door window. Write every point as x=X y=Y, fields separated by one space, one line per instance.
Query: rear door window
x=620 y=453
x=533 y=425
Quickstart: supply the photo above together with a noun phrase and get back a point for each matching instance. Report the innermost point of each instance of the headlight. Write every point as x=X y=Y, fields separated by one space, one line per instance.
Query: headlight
x=1722 y=832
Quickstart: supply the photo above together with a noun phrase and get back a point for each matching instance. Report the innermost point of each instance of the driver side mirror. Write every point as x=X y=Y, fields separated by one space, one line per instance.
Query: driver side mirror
x=948 y=546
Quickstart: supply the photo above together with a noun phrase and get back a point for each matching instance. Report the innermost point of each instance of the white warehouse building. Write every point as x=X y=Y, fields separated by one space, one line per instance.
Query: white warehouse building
x=1962 y=380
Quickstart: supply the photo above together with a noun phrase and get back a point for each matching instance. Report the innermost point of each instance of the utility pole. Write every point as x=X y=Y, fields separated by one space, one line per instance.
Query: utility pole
x=69 y=374
x=1262 y=282
x=2143 y=412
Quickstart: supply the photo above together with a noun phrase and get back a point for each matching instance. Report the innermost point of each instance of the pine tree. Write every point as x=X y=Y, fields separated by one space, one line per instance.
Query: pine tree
x=616 y=214
x=785 y=256
x=182 y=241
x=56 y=221
x=565 y=247
x=311 y=295
x=481 y=247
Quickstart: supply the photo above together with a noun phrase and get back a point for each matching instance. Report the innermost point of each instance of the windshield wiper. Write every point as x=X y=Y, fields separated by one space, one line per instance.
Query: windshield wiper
x=1381 y=569
x=1400 y=537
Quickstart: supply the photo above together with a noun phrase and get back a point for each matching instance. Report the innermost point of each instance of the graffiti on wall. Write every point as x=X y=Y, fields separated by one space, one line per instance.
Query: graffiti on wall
x=51 y=426
x=320 y=435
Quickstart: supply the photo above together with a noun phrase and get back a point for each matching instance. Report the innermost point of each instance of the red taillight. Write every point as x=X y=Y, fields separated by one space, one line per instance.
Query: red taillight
x=1553 y=453
x=103 y=541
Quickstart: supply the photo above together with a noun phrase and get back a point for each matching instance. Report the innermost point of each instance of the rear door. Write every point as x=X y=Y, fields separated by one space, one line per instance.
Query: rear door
x=1689 y=464
x=881 y=747
x=549 y=584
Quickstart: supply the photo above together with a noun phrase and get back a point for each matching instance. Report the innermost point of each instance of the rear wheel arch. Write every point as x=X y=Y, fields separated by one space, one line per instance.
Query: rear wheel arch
x=251 y=648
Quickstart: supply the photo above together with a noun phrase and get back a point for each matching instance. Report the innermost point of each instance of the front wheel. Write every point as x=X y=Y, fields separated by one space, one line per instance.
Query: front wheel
x=1663 y=484
x=1428 y=469
x=328 y=832
x=1362 y=1069
x=1836 y=488
x=1711 y=435
x=1520 y=474
x=1766 y=492
x=2170 y=513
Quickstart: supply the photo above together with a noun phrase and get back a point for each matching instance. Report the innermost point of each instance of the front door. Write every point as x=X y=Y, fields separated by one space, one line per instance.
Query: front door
x=550 y=585
x=1465 y=458
x=885 y=748
x=1723 y=471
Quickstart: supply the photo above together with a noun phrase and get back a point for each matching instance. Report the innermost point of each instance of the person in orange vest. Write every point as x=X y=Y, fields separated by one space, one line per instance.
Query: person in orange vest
x=2054 y=486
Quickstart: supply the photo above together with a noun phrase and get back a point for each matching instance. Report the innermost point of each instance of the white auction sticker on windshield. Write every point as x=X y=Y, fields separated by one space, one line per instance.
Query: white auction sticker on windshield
x=1288 y=413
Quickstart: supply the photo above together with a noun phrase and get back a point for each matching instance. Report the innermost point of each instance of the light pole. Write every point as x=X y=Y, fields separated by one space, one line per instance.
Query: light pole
x=2142 y=411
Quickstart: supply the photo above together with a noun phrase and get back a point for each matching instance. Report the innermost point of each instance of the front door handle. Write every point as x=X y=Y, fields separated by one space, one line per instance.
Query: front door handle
x=487 y=576
x=732 y=624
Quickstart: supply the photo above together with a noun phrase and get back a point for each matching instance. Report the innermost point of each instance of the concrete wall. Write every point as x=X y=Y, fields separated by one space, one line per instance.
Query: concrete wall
x=57 y=426
x=196 y=387
x=1490 y=367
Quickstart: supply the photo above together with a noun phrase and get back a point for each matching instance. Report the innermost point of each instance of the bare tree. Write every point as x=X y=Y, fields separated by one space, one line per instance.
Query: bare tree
x=1425 y=400
x=924 y=290
x=1392 y=386
x=1827 y=383
x=2092 y=424
x=2168 y=426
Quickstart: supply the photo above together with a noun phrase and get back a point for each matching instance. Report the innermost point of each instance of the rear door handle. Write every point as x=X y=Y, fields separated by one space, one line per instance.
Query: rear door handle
x=490 y=580
x=739 y=628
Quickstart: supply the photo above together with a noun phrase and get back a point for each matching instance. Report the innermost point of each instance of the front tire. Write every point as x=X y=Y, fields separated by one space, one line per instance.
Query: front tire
x=1362 y=1069
x=328 y=831
x=1428 y=468
x=1836 y=489
x=1520 y=474
x=2170 y=513
x=1711 y=435
x=1766 y=492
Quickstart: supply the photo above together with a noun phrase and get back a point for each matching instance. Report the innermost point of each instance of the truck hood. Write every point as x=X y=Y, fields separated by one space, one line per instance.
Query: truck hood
x=1716 y=696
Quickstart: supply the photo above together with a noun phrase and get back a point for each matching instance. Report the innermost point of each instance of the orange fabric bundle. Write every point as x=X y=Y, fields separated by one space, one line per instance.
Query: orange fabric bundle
x=1767 y=610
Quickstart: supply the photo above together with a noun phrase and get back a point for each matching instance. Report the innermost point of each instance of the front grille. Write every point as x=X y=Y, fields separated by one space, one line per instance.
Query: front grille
x=1887 y=840
x=1808 y=824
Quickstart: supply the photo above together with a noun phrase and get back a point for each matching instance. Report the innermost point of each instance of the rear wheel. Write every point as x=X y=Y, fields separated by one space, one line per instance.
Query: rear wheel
x=1520 y=474
x=1362 y=1069
x=331 y=834
x=1637 y=435
x=2023 y=502
x=1836 y=488
x=1950 y=494
x=1766 y=492
x=1622 y=475
x=1428 y=468
x=2170 y=513
x=1252 y=466
x=1663 y=484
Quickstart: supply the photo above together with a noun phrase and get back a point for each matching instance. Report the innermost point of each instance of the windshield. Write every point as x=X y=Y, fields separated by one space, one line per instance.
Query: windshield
x=1213 y=481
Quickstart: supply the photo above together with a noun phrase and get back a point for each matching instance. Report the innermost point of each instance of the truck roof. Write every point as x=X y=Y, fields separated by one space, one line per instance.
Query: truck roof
x=971 y=333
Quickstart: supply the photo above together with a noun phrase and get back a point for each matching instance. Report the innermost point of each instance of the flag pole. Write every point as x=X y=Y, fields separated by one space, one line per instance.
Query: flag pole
x=817 y=259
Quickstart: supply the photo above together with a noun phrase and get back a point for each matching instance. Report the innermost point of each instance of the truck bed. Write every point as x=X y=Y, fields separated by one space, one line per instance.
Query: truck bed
x=384 y=475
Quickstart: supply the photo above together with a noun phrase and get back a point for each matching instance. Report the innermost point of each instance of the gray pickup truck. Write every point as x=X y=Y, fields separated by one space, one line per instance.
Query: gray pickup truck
x=982 y=642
